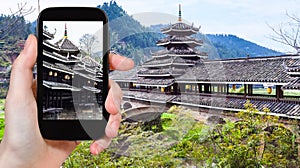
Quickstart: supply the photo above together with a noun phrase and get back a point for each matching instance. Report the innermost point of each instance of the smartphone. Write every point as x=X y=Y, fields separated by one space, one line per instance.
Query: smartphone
x=72 y=73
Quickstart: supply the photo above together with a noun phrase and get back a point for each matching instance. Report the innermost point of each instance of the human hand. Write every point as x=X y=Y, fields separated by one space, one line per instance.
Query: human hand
x=22 y=144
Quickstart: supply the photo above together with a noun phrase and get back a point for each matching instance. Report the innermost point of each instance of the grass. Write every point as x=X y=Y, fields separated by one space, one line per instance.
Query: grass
x=167 y=119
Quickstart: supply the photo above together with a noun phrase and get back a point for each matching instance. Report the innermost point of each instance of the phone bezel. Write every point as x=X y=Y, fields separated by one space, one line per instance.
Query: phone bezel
x=72 y=129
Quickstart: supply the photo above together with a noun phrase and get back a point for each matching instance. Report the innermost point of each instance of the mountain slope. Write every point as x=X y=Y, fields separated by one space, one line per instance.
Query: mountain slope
x=231 y=46
x=128 y=36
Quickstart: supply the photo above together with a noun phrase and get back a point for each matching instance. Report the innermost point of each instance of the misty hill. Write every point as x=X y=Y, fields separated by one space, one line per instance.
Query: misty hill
x=231 y=46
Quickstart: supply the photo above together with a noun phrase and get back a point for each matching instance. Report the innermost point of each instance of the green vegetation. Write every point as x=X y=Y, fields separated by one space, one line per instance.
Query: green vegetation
x=2 y=120
x=231 y=46
x=2 y=105
x=253 y=141
x=291 y=93
x=2 y=124
x=127 y=35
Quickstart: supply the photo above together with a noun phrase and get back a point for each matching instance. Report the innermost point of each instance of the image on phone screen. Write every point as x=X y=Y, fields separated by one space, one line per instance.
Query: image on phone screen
x=72 y=70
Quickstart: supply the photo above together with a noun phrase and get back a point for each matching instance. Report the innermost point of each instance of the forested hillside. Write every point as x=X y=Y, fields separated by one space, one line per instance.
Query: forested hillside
x=13 y=32
x=231 y=46
x=128 y=36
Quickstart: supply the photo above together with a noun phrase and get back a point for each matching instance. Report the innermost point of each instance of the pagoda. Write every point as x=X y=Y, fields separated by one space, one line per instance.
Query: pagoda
x=71 y=82
x=179 y=53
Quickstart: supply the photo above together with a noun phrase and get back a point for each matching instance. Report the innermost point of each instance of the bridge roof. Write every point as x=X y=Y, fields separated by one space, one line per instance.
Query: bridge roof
x=283 y=109
x=255 y=70
x=251 y=70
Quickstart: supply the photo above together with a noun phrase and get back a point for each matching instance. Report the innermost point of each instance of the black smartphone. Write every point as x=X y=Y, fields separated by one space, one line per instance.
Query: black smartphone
x=72 y=73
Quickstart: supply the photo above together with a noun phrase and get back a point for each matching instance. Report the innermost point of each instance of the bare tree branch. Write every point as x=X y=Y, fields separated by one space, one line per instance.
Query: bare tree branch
x=15 y=18
x=288 y=33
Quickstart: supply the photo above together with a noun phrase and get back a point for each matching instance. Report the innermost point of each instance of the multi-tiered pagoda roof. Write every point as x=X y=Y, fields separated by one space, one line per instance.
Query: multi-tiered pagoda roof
x=180 y=29
x=180 y=52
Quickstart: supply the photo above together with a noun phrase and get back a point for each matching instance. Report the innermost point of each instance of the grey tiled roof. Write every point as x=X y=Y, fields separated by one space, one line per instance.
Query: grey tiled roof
x=161 y=72
x=266 y=70
x=230 y=104
x=149 y=96
x=179 y=52
x=180 y=26
x=130 y=75
x=89 y=61
x=190 y=41
x=289 y=109
x=153 y=81
x=66 y=44
x=262 y=70
x=170 y=61
x=48 y=35
x=293 y=85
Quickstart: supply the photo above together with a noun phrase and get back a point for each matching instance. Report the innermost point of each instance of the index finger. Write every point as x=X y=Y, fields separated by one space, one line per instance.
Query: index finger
x=118 y=62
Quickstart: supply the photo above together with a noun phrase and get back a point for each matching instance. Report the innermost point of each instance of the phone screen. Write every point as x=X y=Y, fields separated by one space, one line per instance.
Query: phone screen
x=72 y=70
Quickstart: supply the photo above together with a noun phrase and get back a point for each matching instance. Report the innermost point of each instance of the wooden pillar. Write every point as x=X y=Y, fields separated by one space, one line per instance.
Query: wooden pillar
x=199 y=88
x=206 y=88
x=279 y=92
x=245 y=90
x=250 y=89
x=175 y=88
x=130 y=85
x=227 y=88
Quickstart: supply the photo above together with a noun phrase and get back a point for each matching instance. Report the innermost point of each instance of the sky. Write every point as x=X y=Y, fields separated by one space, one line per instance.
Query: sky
x=248 y=19
x=75 y=29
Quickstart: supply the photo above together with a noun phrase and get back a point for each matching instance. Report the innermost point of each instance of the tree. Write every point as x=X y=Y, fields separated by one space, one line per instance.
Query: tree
x=255 y=140
x=15 y=23
x=88 y=43
x=288 y=33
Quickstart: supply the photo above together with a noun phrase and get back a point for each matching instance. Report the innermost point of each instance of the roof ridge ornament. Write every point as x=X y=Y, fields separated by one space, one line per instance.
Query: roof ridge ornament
x=179 y=17
x=66 y=31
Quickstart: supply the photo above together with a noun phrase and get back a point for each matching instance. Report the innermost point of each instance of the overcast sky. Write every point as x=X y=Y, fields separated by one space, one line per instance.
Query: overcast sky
x=247 y=19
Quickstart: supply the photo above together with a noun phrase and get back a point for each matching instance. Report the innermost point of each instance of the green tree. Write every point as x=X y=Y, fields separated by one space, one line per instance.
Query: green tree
x=256 y=140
